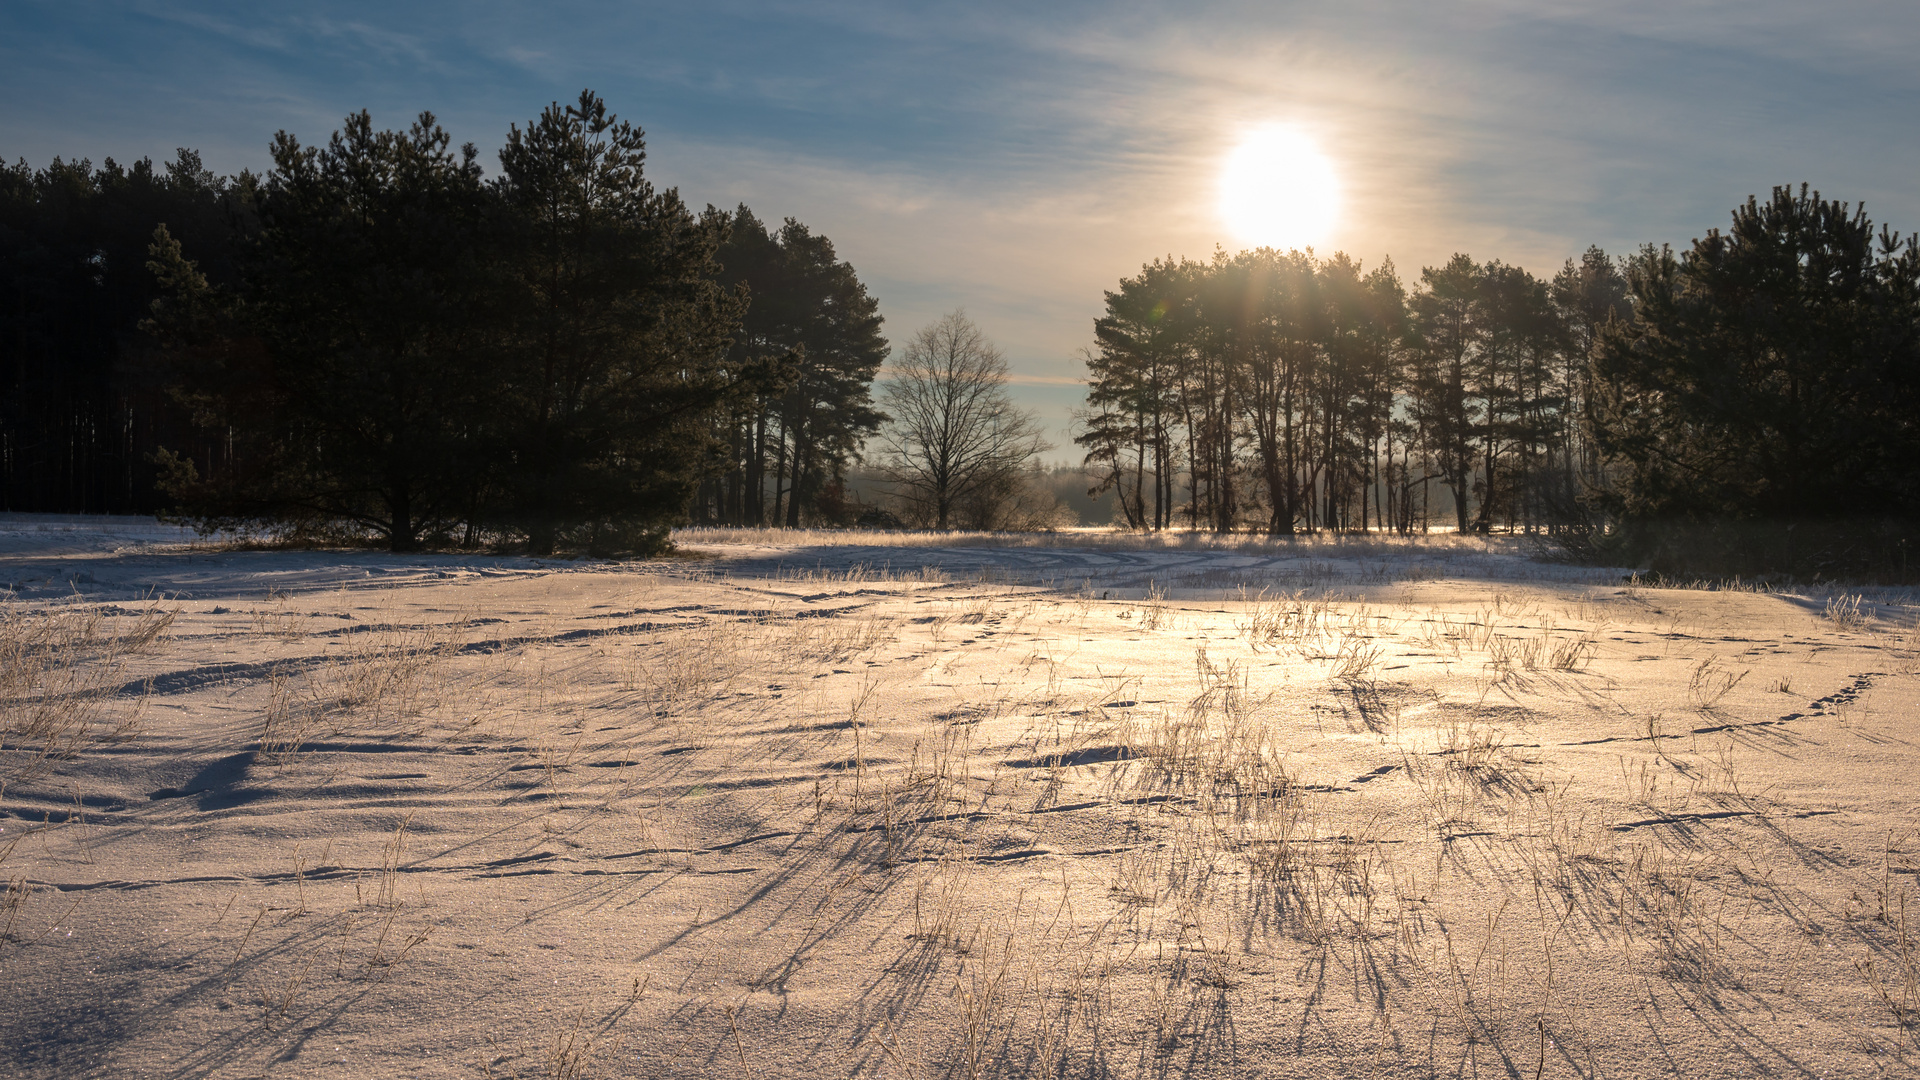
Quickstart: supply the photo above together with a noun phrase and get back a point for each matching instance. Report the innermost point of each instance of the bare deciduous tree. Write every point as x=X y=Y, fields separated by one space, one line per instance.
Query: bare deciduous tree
x=954 y=435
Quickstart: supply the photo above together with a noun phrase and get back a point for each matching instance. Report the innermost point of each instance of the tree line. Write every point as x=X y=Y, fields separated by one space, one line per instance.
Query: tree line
x=375 y=338
x=1289 y=392
x=1768 y=372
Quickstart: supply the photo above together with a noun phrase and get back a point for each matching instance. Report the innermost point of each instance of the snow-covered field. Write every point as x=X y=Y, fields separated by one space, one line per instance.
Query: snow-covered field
x=825 y=804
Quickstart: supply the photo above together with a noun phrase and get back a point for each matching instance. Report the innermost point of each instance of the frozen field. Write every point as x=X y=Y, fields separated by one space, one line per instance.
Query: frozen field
x=1079 y=805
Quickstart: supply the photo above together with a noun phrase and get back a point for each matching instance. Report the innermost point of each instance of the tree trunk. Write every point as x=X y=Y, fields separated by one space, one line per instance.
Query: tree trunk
x=403 y=533
x=540 y=538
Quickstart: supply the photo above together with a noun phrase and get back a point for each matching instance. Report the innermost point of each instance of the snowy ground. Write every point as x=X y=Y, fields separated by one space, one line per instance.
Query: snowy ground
x=1079 y=805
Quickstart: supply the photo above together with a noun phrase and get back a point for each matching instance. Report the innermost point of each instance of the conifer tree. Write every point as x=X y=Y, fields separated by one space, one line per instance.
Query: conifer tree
x=1449 y=322
x=362 y=303
x=1770 y=371
x=620 y=333
x=811 y=309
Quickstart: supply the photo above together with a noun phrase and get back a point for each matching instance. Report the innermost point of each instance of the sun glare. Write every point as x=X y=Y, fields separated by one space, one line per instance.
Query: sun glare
x=1279 y=190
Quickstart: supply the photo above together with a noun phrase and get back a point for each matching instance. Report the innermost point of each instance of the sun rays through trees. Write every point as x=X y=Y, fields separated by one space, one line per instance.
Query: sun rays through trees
x=1687 y=411
x=1282 y=391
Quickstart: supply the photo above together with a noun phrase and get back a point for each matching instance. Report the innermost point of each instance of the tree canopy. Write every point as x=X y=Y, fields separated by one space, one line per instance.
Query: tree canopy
x=1770 y=371
x=377 y=338
x=788 y=449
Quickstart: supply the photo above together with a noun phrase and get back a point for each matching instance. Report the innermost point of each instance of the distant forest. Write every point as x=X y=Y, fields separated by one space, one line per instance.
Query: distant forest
x=375 y=338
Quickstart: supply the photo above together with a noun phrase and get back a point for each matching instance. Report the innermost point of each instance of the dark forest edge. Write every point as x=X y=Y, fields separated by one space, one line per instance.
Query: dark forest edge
x=374 y=339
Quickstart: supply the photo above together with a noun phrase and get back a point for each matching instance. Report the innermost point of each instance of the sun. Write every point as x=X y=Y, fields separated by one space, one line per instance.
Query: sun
x=1278 y=190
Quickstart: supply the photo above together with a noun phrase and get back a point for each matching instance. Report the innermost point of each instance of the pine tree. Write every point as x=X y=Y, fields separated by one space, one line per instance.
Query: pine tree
x=362 y=296
x=1590 y=294
x=83 y=404
x=618 y=350
x=810 y=311
x=1771 y=371
x=1449 y=324
x=1132 y=394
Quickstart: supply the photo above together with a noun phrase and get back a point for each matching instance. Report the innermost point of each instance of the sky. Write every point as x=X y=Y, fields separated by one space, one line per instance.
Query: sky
x=1017 y=159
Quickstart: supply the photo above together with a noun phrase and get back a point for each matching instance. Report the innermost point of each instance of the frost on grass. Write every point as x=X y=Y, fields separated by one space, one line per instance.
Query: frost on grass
x=1017 y=810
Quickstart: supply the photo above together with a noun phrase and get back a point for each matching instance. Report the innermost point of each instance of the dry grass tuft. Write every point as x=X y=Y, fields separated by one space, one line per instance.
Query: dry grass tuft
x=387 y=680
x=63 y=681
x=1710 y=681
x=1843 y=612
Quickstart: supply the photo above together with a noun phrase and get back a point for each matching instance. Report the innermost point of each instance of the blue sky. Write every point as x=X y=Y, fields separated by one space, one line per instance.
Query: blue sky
x=1017 y=158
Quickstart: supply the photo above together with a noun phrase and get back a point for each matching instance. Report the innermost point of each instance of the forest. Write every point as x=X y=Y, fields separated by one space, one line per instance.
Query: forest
x=374 y=340
x=378 y=340
x=1709 y=402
